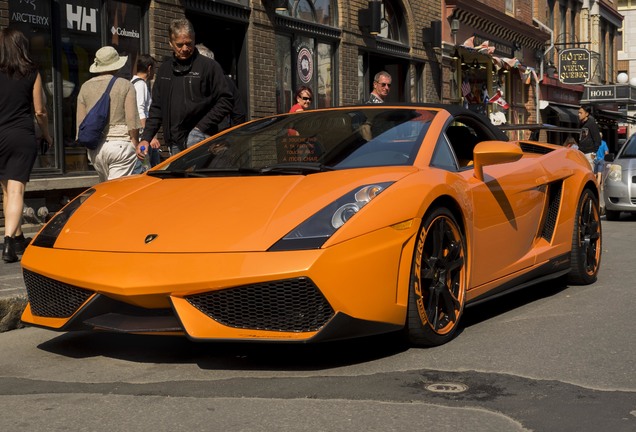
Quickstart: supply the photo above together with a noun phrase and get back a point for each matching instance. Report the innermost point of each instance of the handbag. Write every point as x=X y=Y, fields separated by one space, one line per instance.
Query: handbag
x=91 y=129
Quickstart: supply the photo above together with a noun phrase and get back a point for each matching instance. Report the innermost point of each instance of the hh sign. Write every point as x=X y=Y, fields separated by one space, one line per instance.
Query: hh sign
x=574 y=66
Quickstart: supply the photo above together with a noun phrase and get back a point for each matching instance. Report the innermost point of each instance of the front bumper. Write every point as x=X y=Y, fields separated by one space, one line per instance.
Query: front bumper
x=620 y=196
x=355 y=288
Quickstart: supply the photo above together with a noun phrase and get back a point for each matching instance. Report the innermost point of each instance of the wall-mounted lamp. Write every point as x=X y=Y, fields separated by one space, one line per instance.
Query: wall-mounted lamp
x=551 y=69
x=432 y=35
x=370 y=19
x=456 y=54
x=279 y=5
x=454 y=27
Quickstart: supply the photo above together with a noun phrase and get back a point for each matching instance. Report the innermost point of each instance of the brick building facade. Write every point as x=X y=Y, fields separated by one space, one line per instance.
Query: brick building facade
x=269 y=47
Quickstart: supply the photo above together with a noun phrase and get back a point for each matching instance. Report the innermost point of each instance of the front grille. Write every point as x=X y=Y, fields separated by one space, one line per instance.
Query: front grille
x=554 y=202
x=53 y=299
x=291 y=305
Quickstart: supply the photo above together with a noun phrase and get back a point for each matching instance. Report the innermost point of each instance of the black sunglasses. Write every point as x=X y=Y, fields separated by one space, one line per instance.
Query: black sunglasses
x=306 y=98
x=384 y=84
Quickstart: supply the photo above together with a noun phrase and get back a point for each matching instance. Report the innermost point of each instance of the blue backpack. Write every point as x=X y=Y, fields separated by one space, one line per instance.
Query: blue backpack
x=92 y=127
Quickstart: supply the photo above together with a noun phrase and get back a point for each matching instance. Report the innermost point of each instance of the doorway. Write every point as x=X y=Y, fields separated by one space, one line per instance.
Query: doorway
x=398 y=69
x=227 y=40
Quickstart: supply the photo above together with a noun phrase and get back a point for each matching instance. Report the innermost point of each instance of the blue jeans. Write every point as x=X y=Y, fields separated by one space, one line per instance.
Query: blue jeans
x=195 y=136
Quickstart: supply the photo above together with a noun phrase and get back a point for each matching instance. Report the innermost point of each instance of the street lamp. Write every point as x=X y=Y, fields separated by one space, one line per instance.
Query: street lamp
x=454 y=25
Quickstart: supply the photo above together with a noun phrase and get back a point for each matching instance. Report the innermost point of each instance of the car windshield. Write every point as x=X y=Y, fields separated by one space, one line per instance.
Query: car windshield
x=309 y=142
x=629 y=151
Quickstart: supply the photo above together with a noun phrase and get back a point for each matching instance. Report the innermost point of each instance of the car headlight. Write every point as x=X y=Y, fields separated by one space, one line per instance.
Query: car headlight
x=315 y=231
x=49 y=234
x=614 y=173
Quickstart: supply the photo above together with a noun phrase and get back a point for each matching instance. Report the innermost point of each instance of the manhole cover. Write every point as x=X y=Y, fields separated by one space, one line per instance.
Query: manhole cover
x=447 y=387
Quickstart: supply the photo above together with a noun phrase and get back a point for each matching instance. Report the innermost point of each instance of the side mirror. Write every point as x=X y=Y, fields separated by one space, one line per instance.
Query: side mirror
x=609 y=157
x=494 y=153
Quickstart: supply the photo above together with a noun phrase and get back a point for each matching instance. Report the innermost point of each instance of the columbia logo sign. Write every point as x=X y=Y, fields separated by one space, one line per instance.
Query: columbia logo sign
x=123 y=32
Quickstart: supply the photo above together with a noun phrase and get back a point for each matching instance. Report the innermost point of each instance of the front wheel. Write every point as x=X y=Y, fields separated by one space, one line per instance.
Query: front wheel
x=586 y=241
x=438 y=280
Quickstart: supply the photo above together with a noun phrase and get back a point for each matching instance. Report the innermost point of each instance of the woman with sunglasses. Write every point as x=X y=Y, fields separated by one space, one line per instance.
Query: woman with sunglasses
x=381 y=88
x=304 y=96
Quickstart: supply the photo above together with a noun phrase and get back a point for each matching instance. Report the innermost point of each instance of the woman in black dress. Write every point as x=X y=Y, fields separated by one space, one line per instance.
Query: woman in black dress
x=21 y=97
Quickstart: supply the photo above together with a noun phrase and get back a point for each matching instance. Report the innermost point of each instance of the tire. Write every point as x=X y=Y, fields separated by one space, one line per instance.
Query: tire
x=438 y=281
x=612 y=215
x=586 y=241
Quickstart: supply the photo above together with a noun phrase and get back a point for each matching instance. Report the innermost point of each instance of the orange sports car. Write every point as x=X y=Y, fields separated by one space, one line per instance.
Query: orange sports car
x=319 y=225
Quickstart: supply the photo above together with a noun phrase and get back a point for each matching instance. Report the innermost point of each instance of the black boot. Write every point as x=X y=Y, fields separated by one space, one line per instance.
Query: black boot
x=8 y=253
x=21 y=243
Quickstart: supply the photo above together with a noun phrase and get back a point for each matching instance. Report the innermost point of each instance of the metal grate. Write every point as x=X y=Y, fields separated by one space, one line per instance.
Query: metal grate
x=554 y=201
x=533 y=148
x=51 y=298
x=292 y=305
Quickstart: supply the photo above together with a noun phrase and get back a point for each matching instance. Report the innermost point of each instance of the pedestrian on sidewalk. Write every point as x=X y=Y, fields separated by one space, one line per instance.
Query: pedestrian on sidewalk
x=237 y=113
x=116 y=155
x=304 y=96
x=146 y=67
x=21 y=96
x=190 y=97
x=599 y=162
x=590 y=135
x=381 y=88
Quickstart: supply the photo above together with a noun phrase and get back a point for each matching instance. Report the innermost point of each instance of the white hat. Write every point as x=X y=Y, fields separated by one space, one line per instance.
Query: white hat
x=107 y=59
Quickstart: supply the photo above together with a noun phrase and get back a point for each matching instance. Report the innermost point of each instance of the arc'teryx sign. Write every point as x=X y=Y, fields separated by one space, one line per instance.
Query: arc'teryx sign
x=574 y=66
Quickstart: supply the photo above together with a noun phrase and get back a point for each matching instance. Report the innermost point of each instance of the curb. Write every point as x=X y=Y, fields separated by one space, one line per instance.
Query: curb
x=11 y=309
x=13 y=298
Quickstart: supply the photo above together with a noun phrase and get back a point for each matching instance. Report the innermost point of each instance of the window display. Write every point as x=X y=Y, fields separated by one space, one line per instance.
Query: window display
x=64 y=62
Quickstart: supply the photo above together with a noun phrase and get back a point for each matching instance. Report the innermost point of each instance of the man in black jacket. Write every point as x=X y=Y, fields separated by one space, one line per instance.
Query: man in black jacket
x=590 y=135
x=190 y=96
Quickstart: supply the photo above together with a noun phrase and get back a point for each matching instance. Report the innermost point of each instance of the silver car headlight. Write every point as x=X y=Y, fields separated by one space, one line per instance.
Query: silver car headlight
x=315 y=231
x=49 y=234
x=614 y=173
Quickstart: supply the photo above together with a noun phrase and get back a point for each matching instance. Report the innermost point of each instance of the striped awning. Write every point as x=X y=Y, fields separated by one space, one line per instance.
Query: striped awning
x=496 y=29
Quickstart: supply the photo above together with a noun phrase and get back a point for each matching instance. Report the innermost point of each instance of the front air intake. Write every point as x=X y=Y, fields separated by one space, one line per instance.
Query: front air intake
x=53 y=299
x=289 y=305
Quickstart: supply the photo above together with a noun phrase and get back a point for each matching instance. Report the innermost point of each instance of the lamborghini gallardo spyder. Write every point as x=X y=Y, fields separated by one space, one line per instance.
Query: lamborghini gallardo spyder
x=319 y=225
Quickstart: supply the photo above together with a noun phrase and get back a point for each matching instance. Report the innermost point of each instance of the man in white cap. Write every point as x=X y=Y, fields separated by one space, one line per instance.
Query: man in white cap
x=116 y=155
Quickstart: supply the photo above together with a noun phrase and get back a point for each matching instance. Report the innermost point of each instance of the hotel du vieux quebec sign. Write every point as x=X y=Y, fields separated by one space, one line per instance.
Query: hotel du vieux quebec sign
x=574 y=66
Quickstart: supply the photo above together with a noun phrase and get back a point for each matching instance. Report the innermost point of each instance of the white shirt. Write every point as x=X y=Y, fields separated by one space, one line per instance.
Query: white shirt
x=143 y=96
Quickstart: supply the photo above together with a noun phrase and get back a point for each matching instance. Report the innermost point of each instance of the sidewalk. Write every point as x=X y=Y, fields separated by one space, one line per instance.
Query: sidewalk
x=13 y=297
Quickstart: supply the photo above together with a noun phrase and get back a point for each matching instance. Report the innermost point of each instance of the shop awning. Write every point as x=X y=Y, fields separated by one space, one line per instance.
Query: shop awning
x=564 y=113
x=615 y=115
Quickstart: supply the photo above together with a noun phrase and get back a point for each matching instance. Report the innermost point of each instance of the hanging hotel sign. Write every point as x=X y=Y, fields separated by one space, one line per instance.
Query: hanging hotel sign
x=574 y=66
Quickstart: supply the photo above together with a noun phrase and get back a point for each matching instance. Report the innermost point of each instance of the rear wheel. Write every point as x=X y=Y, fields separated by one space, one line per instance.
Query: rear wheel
x=586 y=241
x=438 y=280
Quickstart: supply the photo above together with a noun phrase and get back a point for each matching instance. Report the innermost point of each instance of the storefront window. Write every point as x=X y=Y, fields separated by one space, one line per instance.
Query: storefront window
x=124 y=22
x=284 y=92
x=305 y=60
x=64 y=62
x=34 y=20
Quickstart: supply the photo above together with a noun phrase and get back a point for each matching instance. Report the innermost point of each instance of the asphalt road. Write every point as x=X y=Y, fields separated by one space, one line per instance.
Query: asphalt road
x=548 y=358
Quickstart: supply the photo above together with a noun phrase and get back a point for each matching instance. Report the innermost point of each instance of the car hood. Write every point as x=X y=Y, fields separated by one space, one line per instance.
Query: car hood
x=219 y=214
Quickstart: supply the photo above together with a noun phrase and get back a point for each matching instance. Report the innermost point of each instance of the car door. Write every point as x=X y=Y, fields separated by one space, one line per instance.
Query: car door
x=507 y=208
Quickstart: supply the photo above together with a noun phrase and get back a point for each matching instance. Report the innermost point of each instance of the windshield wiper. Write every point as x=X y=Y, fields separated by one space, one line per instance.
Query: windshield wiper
x=296 y=168
x=202 y=173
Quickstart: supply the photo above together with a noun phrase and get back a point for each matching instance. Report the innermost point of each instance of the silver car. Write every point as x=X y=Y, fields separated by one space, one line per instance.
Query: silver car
x=619 y=187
